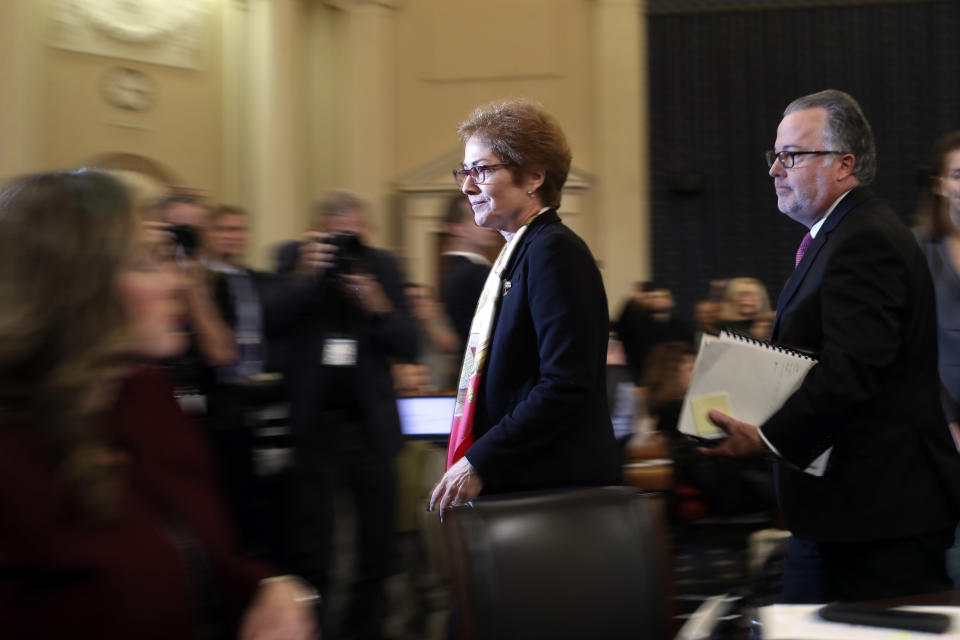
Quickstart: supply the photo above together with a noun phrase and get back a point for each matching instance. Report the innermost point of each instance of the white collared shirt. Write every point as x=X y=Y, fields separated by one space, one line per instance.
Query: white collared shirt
x=475 y=258
x=815 y=229
x=222 y=267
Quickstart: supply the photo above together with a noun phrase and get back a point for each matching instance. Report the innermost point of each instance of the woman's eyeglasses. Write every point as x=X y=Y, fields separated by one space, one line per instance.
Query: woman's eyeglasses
x=478 y=173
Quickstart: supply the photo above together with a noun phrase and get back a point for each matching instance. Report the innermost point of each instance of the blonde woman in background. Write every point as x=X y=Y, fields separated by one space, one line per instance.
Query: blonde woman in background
x=745 y=304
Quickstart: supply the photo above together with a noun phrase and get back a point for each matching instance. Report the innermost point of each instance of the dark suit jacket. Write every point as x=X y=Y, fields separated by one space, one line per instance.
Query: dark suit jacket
x=946 y=283
x=463 y=281
x=286 y=256
x=863 y=300
x=263 y=285
x=640 y=332
x=320 y=310
x=542 y=418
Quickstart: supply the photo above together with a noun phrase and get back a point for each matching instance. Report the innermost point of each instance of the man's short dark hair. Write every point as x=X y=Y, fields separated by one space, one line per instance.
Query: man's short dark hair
x=158 y=207
x=174 y=198
x=847 y=129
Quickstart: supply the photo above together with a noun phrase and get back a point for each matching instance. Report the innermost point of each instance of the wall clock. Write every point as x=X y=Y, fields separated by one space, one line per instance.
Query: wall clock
x=128 y=88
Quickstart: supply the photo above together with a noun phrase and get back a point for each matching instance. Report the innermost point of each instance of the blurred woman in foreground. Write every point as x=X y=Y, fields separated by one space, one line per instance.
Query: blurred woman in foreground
x=111 y=524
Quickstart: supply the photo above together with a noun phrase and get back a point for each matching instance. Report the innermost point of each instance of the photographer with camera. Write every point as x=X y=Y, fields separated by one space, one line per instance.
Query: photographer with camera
x=212 y=343
x=350 y=321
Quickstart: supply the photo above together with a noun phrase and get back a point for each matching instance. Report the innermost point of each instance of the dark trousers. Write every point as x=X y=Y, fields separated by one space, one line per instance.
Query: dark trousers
x=852 y=571
x=886 y=568
x=340 y=452
x=802 y=573
x=231 y=440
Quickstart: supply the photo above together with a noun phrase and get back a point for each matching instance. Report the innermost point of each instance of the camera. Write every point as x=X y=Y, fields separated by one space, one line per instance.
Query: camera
x=348 y=259
x=186 y=238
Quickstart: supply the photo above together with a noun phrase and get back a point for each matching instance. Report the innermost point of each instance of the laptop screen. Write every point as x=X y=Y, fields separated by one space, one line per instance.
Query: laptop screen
x=426 y=417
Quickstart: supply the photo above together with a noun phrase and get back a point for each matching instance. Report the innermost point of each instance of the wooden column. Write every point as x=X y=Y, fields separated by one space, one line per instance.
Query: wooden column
x=265 y=151
x=364 y=108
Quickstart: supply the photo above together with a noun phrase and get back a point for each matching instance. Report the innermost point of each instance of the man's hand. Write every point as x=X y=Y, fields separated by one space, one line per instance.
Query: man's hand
x=459 y=484
x=366 y=293
x=280 y=611
x=410 y=378
x=425 y=309
x=316 y=253
x=743 y=440
x=955 y=432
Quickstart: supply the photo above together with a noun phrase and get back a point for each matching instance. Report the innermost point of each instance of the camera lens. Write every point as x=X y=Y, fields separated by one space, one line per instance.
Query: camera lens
x=186 y=238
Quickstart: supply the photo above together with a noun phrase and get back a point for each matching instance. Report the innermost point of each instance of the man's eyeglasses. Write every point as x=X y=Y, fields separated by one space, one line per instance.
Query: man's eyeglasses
x=478 y=173
x=788 y=158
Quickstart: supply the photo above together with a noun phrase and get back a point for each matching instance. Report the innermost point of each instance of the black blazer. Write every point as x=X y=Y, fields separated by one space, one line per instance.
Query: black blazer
x=269 y=289
x=318 y=310
x=281 y=297
x=542 y=418
x=862 y=299
x=463 y=281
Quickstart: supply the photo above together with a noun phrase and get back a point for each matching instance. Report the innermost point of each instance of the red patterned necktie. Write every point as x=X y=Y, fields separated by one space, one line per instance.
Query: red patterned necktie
x=804 y=245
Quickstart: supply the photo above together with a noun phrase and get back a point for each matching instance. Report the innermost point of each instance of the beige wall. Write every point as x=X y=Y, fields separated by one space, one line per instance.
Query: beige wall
x=295 y=97
x=583 y=59
x=321 y=80
x=451 y=58
x=182 y=132
x=63 y=119
x=21 y=75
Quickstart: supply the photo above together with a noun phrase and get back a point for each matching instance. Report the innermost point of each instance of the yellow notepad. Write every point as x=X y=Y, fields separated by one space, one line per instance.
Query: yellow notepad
x=701 y=405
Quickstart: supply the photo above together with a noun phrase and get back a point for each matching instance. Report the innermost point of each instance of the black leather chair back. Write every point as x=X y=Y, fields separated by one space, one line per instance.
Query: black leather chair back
x=575 y=564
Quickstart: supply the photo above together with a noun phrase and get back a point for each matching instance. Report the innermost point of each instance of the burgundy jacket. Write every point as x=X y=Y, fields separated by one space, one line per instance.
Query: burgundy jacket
x=132 y=577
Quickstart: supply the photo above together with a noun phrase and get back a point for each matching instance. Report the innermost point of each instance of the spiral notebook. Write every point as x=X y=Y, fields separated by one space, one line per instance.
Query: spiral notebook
x=746 y=378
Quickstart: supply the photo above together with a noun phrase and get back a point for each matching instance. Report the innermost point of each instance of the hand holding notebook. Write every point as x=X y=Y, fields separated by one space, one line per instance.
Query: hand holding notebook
x=745 y=378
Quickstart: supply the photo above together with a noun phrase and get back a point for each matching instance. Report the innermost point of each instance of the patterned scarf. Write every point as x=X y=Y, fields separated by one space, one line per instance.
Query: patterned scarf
x=475 y=354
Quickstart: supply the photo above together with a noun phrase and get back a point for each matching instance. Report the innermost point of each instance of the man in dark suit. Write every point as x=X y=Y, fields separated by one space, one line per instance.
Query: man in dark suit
x=351 y=318
x=648 y=319
x=241 y=296
x=238 y=292
x=868 y=474
x=465 y=264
